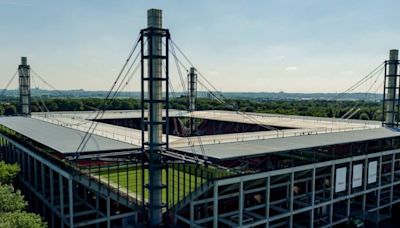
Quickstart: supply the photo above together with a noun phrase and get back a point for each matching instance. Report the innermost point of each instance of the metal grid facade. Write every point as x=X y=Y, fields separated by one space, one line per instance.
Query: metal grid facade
x=302 y=196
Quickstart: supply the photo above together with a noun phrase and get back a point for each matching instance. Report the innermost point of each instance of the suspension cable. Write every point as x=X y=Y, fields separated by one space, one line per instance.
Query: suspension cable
x=100 y=113
x=40 y=98
x=179 y=69
x=360 y=82
x=190 y=142
x=218 y=95
x=59 y=91
x=353 y=110
x=8 y=84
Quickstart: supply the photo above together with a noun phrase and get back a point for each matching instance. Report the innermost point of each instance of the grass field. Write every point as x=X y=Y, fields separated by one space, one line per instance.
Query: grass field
x=129 y=179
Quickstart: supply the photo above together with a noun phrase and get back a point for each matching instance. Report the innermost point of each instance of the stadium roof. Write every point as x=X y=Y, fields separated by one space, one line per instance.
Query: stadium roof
x=62 y=139
x=258 y=147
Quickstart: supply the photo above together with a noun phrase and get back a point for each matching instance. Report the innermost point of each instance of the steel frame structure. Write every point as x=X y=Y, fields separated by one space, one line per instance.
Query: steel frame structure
x=154 y=123
x=391 y=73
x=323 y=206
x=64 y=198
x=192 y=96
x=110 y=176
x=320 y=194
x=24 y=88
x=146 y=100
x=278 y=197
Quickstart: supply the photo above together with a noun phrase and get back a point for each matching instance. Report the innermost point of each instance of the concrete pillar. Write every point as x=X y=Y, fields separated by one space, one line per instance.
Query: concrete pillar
x=332 y=194
x=241 y=203
x=24 y=88
x=61 y=191
x=215 y=207
x=392 y=179
x=192 y=87
x=35 y=174
x=154 y=20
x=291 y=198
x=108 y=205
x=71 y=202
x=192 y=93
x=51 y=182
x=312 y=197
x=267 y=199
x=391 y=88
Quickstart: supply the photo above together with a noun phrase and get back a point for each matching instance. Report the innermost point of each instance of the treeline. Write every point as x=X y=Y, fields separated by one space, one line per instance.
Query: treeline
x=364 y=110
x=70 y=104
x=367 y=110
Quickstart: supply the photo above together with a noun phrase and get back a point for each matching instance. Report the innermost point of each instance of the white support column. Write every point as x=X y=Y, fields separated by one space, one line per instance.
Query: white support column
x=350 y=182
x=35 y=174
x=43 y=185
x=332 y=193
x=390 y=117
x=291 y=199
x=51 y=181
x=97 y=208
x=215 y=206
x=365 y=183
x=267 y=196
x=241 y=203
x=24 y=88
x=43 y=179
x=108 y=212
x=312 y=197
x=392 y=179
x=23 y=165
x=71 y=202
x=191 y=206
x=155 y=95
x=29 y=173
x=379 y=183
x=61 y=188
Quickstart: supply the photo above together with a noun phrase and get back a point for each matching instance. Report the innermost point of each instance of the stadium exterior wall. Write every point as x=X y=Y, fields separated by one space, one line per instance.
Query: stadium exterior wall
x=63 y=199
x=315 y=195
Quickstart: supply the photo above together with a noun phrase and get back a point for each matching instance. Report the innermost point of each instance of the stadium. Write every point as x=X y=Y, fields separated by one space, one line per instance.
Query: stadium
x=186 y=168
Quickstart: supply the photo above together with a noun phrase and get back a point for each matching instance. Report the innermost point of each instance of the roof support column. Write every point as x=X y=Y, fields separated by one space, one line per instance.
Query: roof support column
x=154 y=95
x=391 y=86
x=24 y=88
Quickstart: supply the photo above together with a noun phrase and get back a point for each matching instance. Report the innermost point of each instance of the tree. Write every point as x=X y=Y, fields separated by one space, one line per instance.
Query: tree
x=364 y=116
x=12 y=203
x=10 y=110
x=8 y=172
x=11 y=200
x=21 y=220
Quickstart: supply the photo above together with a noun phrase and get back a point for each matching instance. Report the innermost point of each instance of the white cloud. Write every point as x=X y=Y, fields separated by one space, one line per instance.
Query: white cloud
x=279 y=57
x=291 y=68
x=214 y=73
x=346 y=73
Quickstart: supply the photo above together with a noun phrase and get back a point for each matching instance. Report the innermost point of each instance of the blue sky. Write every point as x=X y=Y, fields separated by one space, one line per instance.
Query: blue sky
x=257 y=45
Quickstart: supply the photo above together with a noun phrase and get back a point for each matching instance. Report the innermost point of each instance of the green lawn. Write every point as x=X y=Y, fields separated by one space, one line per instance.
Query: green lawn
x=130 y=179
